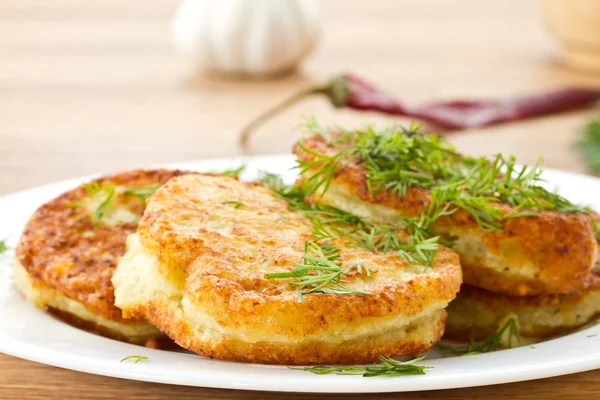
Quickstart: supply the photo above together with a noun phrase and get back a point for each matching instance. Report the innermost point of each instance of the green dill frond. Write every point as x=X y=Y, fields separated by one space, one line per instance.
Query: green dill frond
x=73 y=206
x=234 y=172
x=589 y=145
x=509 y=330
x=324 y=168
x=92 y=188
x=105 y=191
x=142 y=193
x=310 y=126
x=109 y=193
x=135 y=358
x=235 y=204
x=398 y=159
x=274 y=183
x=330 y=223
x=320 y=272
x=387 y=367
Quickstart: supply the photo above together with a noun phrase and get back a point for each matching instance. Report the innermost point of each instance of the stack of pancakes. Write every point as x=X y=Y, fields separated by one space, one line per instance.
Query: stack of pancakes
x=196 y=269
x=536 y=269
x=258 y=272
x=191 y=259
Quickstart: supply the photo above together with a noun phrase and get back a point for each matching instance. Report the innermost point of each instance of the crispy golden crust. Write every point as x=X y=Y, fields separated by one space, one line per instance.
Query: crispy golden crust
x=155 y=341
x=299 y=353
x=476 y=313
x=549 y=253
x=65 y=249
x=46 y=297
x=210 y=256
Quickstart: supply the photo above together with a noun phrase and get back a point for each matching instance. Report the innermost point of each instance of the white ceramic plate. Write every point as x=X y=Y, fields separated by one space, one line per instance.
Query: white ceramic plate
x=28 y=333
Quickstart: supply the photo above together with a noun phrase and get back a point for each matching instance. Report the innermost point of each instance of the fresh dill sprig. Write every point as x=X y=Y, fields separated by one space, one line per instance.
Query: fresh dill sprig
x=107 y=191
x=92 y=188
x=143 y=193
x=491 y=343
x=234 y=172
x=323 y=262
x=388 y=367
x=73 y=206
x=398 y=159
x=99 y=212
x=235 y=204
x=330 y=223
x=321 y=270
x=420 y=248
x=136 y=358
x=589 y=145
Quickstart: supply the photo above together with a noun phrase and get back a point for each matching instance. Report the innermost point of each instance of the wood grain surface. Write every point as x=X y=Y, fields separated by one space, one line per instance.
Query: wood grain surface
x=94 y=85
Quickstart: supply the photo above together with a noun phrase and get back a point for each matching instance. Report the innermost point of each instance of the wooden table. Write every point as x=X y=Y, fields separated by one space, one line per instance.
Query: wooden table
x=91 y=86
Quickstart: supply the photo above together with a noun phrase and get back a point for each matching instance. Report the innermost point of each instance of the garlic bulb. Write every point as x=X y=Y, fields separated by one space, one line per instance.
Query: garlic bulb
x=247 y=37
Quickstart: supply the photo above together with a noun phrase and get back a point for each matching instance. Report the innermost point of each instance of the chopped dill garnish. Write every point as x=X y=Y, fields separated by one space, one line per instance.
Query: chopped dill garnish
x=92 y=188
x=324 y=262
x=73 y=206
x=136 y=358
x=387 y=367
x=99 y=212
x=398 y=159
x=107 y=191
x=493 y=342
x=235 y=204
x=142 y=193
x=321 y=270
x=233 y=171
x=419 y=248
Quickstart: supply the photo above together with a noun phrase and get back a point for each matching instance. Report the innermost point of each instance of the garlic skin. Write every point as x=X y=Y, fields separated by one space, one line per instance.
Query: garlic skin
x=246 y=37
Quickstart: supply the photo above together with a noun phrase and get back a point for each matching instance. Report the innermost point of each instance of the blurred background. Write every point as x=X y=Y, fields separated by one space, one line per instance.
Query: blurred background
x=99 y=85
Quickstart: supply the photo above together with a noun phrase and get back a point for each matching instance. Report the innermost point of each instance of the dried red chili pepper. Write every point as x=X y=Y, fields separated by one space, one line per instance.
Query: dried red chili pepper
x=352 y=92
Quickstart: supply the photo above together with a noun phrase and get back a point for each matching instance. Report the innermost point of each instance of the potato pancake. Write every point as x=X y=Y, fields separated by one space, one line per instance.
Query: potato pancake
x=197 y=270
x=70 y=248
x=476 y=313
x=544 y=244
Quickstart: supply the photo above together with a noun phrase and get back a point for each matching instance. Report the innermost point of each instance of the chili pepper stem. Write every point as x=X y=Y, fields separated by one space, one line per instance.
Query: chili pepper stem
x=261 y=119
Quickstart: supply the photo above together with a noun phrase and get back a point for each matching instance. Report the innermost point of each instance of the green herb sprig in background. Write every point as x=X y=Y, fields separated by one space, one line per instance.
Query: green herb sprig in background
x=589 y=145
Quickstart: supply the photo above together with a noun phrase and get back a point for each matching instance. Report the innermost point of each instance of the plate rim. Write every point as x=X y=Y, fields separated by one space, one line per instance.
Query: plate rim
x=355 y=384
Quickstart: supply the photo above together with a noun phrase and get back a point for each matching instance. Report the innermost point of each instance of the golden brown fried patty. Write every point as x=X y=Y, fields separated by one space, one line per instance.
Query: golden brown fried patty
x=70 y=247
x=549 y=253
x=476 y=313
x=196 y=270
